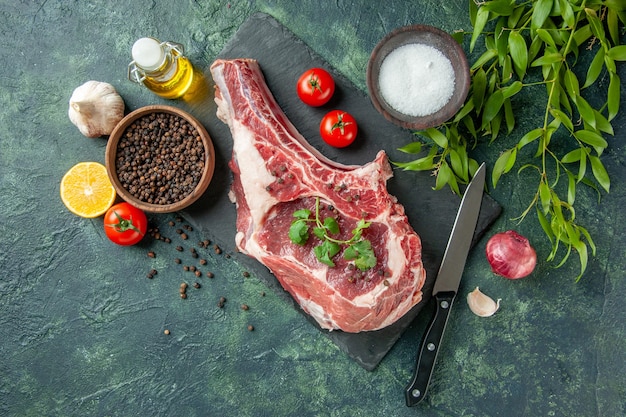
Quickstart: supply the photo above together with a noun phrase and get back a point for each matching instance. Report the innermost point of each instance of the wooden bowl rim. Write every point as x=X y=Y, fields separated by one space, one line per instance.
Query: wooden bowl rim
x=111 y=151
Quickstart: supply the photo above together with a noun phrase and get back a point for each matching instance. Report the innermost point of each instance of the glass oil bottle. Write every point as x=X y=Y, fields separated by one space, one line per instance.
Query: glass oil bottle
x=161 y=67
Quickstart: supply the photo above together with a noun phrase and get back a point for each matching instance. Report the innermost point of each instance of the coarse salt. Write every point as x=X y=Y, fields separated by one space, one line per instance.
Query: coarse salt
x=416 y=79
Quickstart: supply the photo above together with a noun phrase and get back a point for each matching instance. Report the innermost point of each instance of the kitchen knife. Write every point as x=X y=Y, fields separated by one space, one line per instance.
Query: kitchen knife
x=447 y=285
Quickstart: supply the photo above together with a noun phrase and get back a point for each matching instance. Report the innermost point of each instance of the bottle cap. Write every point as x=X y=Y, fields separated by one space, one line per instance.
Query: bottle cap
x=148 y=54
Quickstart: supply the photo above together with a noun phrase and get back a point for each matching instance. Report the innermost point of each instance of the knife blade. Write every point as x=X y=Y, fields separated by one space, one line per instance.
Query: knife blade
x=447 y=285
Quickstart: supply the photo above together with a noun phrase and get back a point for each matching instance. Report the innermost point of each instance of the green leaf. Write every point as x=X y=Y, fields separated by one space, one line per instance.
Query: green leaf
x=411 y=148
x=302 y=214
x=439 y=138
x=544 y=197
x=547 y=59
x=571 y=188
x=482 y=16
x=519 y=53
x=609 y=63
x=299 y=232
x=502 y=40
x=613 y=95
x=591 y=138
x=586 y=111
x=500 y=7
x=582 y=166
x=571 y=84
x=582 y=34
x=319 y=232
x=596 y=24
x=541 y=11
x=331 y=225
x=503 y=164
x=602 y=124
x=562 y=118
x=362 y=254
x=529 y=137
x=581 y=248
x=618 y=53
x=546 y=37
x=545 y=224
x=567 y=13
x=326 y=251
x=593 y=72
x=422 y=164
x=465 y=110
x=479 y=83
x=512 y=89
x=509 y=116
x=572 y=156
x=492 y=107
x=599 y=172
x=458 y=167
x=486 y=56
x=515 y=16
x=612 y=23
x=446 y=176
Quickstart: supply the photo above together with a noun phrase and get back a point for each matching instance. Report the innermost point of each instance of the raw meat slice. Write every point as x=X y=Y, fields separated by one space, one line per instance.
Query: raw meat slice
x=276 y=172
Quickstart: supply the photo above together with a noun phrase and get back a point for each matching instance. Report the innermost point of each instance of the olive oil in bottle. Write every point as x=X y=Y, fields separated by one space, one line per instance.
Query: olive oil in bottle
x=161 y=67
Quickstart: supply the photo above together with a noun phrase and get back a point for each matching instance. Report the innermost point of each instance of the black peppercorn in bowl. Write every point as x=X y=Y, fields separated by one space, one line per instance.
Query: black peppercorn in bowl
x=418 y=77
x=160 y=159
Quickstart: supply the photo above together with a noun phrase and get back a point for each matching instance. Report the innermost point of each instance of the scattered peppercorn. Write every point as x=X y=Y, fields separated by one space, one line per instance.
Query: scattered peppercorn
x=246 y=274
x=196 y=285
x=210 y=274
x=183 y=295
x=166 y=331
x=203 y=262
x=184 y=236
x=245 y=307
x=179 y=248
x=250 y=328
x=198 y=273
x=177 y=260
x=151 y=254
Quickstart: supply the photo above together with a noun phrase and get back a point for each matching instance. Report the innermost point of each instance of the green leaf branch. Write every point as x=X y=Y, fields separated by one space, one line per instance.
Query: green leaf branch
x=529 y=45
x=355 y=249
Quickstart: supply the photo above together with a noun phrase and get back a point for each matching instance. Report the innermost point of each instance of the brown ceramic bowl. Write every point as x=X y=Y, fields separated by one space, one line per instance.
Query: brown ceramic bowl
x=430 y=36
x=190 y=196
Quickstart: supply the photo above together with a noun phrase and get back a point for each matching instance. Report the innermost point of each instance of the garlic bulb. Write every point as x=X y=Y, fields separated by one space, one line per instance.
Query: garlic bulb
x=96 y=108
x=481 y=304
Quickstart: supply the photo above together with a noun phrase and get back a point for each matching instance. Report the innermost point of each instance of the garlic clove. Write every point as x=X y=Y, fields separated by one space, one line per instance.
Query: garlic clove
x=96 y=108
x=481 y=304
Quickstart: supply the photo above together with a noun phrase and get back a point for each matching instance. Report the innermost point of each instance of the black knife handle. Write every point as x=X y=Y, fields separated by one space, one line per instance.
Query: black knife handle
x=416 y=390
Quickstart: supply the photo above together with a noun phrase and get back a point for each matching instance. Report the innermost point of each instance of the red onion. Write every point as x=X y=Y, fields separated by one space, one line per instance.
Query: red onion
x=510 y=255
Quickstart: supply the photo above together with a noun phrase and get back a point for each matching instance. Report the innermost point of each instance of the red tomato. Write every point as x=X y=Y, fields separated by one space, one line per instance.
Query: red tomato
x=315 y=87
x=338 y=128
x=125 y=224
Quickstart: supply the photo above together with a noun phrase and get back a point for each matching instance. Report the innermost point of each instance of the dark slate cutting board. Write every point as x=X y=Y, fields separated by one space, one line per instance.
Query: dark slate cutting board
x=283 y=57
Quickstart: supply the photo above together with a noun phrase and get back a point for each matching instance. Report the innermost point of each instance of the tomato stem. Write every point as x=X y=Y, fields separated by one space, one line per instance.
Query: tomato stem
x=340 y=124
x=124 y=225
